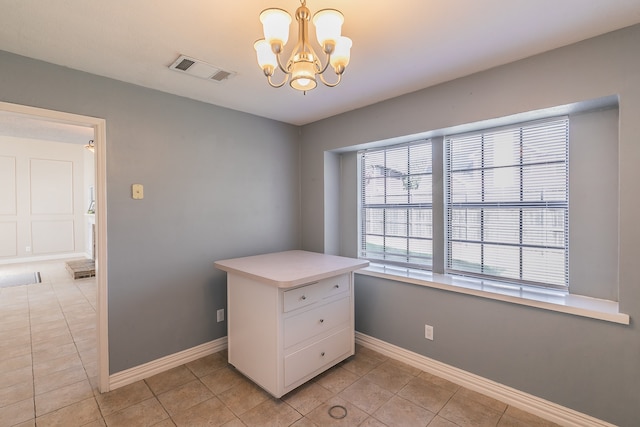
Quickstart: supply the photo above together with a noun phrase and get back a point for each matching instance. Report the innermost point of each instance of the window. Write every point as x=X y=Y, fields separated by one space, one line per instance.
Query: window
x=505 y=198
x=396 y=215
x=507 y=203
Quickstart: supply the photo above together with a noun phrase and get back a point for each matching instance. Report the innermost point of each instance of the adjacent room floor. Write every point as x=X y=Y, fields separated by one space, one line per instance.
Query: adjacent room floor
x=48 y=375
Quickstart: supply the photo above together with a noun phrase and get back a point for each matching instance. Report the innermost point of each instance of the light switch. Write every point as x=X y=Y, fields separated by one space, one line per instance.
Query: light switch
x=137 y=191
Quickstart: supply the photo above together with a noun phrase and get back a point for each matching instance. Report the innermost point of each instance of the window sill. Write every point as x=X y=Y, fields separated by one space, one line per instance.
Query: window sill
x=554 y=300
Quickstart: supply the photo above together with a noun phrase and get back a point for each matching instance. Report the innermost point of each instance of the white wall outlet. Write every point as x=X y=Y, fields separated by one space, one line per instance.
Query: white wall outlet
x=27 y=249
x=220 y=315
x=428 y=332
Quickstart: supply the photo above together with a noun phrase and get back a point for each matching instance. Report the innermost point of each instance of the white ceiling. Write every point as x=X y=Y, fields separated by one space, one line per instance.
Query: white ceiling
x=398 y=47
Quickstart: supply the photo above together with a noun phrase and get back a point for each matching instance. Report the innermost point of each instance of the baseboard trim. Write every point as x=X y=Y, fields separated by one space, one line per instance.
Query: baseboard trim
x=137 y=373
x=39 y=258
x=527 y=402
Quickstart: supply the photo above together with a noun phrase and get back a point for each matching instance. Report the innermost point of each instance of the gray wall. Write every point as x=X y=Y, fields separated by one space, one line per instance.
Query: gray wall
x=593 y=204
x=218 y=184
x=588 y=365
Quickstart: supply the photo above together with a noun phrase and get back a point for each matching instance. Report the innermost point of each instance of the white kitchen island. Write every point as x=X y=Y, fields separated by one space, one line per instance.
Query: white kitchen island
x=290 y=315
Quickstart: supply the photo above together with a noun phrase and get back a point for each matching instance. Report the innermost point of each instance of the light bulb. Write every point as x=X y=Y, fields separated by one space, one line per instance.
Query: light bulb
x=303 y=76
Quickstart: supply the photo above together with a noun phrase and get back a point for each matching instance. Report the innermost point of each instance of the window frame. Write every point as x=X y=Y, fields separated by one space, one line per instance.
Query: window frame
x=385 y=257
x=523 y=204
x=440 y=192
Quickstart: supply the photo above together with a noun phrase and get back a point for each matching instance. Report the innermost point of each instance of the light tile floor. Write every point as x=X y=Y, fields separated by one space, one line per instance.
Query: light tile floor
x=48 y=378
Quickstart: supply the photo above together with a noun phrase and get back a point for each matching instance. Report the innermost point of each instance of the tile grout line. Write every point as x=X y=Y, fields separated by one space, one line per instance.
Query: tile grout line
x=155 y=396
x=54 y=293
x=73 y=338
x=35 y=304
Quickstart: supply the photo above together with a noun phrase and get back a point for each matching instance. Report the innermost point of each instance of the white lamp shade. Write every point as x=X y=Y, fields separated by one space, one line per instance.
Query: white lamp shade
x=328 y=23
x=266 y=57
x=303 y=76
x=342 y=53
x=275 y=24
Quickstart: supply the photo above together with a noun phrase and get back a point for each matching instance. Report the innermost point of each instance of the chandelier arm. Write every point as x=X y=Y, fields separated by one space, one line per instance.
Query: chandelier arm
x=330 y=84
x=282 y=68
x=326 y=65
x=286 y=79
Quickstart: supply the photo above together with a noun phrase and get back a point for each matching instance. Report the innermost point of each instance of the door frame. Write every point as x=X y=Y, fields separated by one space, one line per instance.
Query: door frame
x=100 y=133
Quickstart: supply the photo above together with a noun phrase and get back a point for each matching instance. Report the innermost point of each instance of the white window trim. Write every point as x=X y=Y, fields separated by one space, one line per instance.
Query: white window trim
x=546 y=299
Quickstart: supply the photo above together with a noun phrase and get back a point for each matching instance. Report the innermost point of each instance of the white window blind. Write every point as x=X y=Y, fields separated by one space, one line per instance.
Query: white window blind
x=507 y=203
x=396 y=204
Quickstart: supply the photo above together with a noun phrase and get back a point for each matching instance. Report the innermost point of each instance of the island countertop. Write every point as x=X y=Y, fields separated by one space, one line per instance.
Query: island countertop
x=290 y=268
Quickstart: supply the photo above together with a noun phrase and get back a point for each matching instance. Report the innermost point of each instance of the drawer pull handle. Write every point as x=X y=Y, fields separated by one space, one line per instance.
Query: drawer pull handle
x=321 y=320
x=337 y=286
x=303 y=297
x=322 y=354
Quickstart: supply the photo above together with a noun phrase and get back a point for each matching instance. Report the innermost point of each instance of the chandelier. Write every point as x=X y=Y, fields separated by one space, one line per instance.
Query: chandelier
x=303 y=65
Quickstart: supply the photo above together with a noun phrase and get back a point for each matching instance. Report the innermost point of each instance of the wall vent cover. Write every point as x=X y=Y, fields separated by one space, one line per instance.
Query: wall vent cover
x=195 y=67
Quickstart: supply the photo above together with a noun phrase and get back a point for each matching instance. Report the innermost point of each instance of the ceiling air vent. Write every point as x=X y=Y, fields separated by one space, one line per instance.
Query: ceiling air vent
x=200 y=69
x=221 y=75
x=184 y=64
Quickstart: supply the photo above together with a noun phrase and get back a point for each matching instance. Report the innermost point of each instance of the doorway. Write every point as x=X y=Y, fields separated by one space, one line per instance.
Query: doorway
x=99 y=130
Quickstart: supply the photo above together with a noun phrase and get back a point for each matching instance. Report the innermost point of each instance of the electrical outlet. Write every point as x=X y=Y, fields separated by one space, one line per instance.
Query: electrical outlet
x=220 y=315
x=28 y=249
x=428 y=332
